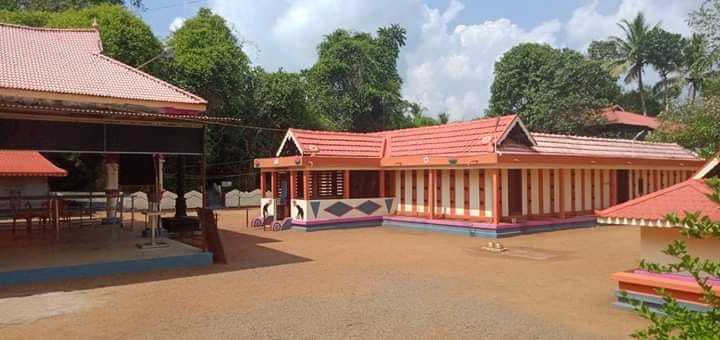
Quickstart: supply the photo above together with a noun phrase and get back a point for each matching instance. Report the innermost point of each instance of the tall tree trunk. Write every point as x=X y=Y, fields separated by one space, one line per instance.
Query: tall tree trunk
x=665 y=92
x=694 y=93
x=641 y=89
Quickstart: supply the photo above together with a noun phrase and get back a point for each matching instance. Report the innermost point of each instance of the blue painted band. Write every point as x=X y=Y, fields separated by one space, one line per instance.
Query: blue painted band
x=105 y=268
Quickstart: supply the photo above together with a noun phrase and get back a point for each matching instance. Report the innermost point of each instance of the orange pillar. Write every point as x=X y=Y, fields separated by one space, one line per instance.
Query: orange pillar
x=613 y=187
x=293 y=184
x=273 y=184
x=306 y=185
x=497 y=208
x=346 y=184
x=431 y=193
x=561 y=191
x=262 y=184
x=382 y=183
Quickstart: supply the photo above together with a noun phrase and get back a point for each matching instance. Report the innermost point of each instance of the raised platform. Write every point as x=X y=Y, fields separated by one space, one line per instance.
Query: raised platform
x=338 y=223
x=88 y=252
x=488 y=230
x=473 y=229
x=642 y=286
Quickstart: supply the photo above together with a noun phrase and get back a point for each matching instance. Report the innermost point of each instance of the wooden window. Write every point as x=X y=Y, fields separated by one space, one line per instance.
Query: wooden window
x=364 y=184
x=327 y=184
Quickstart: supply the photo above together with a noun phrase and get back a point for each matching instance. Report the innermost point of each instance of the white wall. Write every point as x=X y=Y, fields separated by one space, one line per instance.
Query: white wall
x=26 y=186
x=655 y=239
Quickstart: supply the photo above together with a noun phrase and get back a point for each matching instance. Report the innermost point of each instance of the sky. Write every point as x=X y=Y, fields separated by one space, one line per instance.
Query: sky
x=447 y=64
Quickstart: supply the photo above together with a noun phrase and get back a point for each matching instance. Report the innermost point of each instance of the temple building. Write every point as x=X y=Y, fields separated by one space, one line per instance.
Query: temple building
x=656 y=233
x=489 y=177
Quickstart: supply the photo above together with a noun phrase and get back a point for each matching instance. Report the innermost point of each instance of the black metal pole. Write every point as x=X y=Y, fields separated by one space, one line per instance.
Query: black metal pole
x=180 y=203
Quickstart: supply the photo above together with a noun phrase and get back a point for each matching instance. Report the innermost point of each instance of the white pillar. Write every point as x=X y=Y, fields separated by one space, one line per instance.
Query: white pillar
x=112 y=187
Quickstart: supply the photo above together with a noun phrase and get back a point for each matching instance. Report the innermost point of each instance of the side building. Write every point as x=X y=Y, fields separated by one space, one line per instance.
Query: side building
x=488 y=177
x=648 y=213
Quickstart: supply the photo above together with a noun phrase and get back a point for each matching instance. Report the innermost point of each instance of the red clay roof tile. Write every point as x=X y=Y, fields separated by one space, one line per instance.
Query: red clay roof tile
x=606 y=147
x=616 y=115
x=687 y=196
x=27 y=164
x=69 y=61
x=473 y=138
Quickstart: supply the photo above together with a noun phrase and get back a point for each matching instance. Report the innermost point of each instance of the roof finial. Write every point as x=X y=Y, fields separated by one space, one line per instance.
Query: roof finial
x=94 y=23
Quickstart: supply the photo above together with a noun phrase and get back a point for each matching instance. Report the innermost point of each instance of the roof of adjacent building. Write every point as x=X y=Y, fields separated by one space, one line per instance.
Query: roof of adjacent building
x=70 y=61
x=27 y=164
x=553 y=144
x=501 y=135
x=618 y=115
x=687 y=196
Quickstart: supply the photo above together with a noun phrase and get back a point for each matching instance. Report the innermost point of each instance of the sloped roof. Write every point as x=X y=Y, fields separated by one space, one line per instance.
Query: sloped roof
x=710 y=169
x=337 y=144
x=617 y=115
x=553 y=144
x=690 y=196
x=27 y=164
x=454 y=139
x=70 y=61
x=502 y=135
x=465 y=138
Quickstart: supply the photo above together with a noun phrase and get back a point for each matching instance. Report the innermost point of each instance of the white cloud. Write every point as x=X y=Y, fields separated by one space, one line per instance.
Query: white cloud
x=176 y=23
x=587 y=23
x=445 y=65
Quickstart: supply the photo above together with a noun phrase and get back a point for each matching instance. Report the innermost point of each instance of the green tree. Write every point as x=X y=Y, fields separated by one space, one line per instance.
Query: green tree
x=695 y=126
x=706 y=21
x=209 y=61
x=443 y=118
x=125 y=36
x=630 y=99
x=633 y=53
x=418 y=115
x=355 y=81
x=604 y=51
x=678 y=322
x=665 y=55
x=698 y=66
x=554 y=90
x=60 y=5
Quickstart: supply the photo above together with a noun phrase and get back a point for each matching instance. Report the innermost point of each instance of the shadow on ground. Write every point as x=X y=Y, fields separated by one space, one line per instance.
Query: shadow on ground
x=243 y=251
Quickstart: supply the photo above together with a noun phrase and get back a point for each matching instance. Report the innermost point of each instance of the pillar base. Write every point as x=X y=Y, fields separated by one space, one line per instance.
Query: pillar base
x=110 y=220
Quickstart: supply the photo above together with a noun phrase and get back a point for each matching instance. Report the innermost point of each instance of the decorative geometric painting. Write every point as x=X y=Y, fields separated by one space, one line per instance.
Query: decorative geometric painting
x=338 y=208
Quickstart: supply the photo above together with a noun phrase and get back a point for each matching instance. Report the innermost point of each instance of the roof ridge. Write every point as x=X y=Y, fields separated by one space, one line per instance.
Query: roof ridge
x=155 y=79
x=51 y=29
x=429 y=127
x=368 y=134
x=604 y=138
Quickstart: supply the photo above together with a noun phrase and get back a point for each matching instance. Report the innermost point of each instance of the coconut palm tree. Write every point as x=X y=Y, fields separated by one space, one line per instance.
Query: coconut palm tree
x=698 y=64
x=633 y=53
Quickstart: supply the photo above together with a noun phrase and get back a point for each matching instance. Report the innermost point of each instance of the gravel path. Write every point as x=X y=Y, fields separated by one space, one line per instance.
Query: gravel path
x=352 y=284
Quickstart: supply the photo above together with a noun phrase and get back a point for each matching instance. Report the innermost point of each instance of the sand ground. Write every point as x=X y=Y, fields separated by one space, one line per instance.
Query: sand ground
x=361 y=283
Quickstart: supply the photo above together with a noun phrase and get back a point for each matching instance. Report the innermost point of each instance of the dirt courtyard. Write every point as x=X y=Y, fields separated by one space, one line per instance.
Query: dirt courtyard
x=360 y=283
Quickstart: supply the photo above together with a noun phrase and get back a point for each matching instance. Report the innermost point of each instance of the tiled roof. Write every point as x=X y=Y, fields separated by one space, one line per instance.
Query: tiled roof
x=454 y=139
x=475 y=138
x=616 y=115
x=553 y=144
x=690 y=196
x=338 y=144
x=70 y=61
x=27 y=164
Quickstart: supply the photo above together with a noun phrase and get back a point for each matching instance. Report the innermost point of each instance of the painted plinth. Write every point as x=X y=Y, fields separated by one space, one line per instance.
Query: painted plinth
x=642 y=286
x=90 y=252
x=488 y=229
